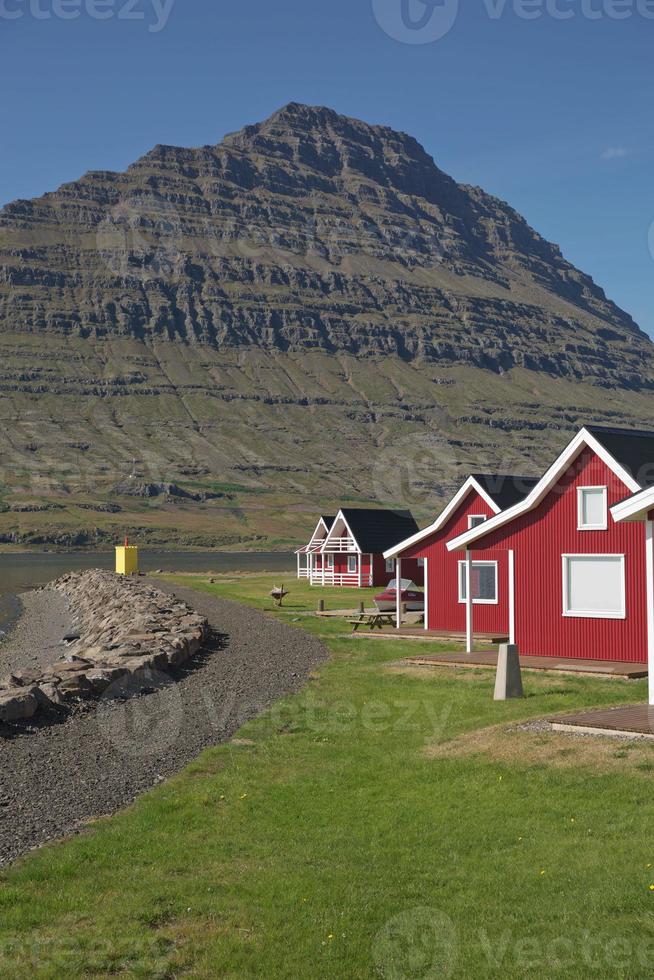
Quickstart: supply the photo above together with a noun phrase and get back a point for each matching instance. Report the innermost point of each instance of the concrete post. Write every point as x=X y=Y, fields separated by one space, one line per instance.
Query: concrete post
x=508 y=682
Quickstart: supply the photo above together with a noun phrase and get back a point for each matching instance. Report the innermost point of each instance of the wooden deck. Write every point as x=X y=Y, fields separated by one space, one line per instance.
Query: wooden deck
x=636 y=720
x=566 y=665
x=438 y=636
x=443 y=636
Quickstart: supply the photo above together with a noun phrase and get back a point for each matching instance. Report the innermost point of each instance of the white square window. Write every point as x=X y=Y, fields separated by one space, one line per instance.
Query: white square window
x=352 y=564
x=330 y=561
x=421 y=562
x=592 y=509
x=594 y=586
x=390 y=565
x=483 y=575
x=474 y=520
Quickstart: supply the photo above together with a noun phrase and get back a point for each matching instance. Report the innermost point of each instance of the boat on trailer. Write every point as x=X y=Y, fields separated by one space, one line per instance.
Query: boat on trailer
x=410 y=596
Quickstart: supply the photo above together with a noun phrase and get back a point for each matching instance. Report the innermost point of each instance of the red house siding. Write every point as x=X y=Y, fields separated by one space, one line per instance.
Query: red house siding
x=539 y=538
x=340 y=563
x=379 y=574
x=444 y=611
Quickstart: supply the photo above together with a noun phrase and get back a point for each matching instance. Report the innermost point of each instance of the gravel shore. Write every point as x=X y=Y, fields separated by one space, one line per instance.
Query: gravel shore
x=10 y=607
x=36 y=639
x=54 y=777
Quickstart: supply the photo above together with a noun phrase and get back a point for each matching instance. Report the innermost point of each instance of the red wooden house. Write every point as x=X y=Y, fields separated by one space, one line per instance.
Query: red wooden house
x=481 y=497
x=579 y=573
x=309 y=557
x=348 y=550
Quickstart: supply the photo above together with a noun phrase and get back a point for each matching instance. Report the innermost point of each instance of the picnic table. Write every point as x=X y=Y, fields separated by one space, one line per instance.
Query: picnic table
x=376 y=620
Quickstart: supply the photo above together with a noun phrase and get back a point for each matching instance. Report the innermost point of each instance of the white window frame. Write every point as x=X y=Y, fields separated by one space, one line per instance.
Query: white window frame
x=390 y=566
x=480 y=518
x=330 y=561
x=350 y=559
x=580 y=509
x=592 y=613
x=477 y=602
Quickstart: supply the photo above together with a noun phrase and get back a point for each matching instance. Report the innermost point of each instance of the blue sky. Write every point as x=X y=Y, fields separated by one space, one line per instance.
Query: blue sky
x=553 y=115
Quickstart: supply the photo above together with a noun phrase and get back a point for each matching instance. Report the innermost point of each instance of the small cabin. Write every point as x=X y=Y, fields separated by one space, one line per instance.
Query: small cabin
x=348 y=549
x=309 y=557
x=481 y=497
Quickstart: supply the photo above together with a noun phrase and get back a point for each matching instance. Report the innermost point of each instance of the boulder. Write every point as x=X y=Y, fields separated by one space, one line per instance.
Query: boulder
x=18 y=704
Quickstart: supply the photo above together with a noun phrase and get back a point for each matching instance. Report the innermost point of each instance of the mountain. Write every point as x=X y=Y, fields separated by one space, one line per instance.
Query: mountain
x=218 y=342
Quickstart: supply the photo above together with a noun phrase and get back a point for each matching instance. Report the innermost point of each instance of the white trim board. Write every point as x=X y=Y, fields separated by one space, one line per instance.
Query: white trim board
x=649 y=600
x=511 y=583
x=584 y=439
x=634 y=508
x=444 y=516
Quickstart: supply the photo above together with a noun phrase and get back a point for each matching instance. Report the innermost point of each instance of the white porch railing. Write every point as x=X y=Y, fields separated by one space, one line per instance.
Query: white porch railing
x=340 y=545
x=331 y=577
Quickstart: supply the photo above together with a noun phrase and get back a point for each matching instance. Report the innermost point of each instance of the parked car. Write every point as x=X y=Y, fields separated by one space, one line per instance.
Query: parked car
x=410 y=595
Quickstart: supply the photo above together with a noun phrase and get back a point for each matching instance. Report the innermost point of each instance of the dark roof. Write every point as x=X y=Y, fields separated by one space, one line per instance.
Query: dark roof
x=327 y=520
x=375 y=531
x=633 y=449
x=505 y=489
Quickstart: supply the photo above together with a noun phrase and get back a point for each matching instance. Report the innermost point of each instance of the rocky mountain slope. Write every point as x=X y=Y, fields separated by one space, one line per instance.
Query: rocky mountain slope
x=309 y=311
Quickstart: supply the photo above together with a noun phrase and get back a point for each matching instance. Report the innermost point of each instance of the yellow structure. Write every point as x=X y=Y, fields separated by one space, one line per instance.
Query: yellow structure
x=127 y=560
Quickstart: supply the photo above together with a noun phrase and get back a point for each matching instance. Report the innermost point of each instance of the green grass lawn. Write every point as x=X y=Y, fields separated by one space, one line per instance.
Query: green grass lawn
x=367 y=827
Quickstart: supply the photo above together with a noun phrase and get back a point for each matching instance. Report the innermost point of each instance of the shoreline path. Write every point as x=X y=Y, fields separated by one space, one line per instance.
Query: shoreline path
x=54 y=777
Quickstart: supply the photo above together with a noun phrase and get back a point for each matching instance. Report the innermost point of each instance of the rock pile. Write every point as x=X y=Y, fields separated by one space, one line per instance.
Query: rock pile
x=122 y=627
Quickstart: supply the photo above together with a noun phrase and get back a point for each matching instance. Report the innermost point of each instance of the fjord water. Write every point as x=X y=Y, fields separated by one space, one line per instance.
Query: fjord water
x=25 y=571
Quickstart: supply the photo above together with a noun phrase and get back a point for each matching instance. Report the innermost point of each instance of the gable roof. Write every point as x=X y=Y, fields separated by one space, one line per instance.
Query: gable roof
x=499 y=490
x=632 y=448
x=376 y=530
x=327 y=523
x=596 y=438
x=505 y=489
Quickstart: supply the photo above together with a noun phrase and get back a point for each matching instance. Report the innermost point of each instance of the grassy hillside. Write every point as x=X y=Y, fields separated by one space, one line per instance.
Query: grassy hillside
x=273 y=437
